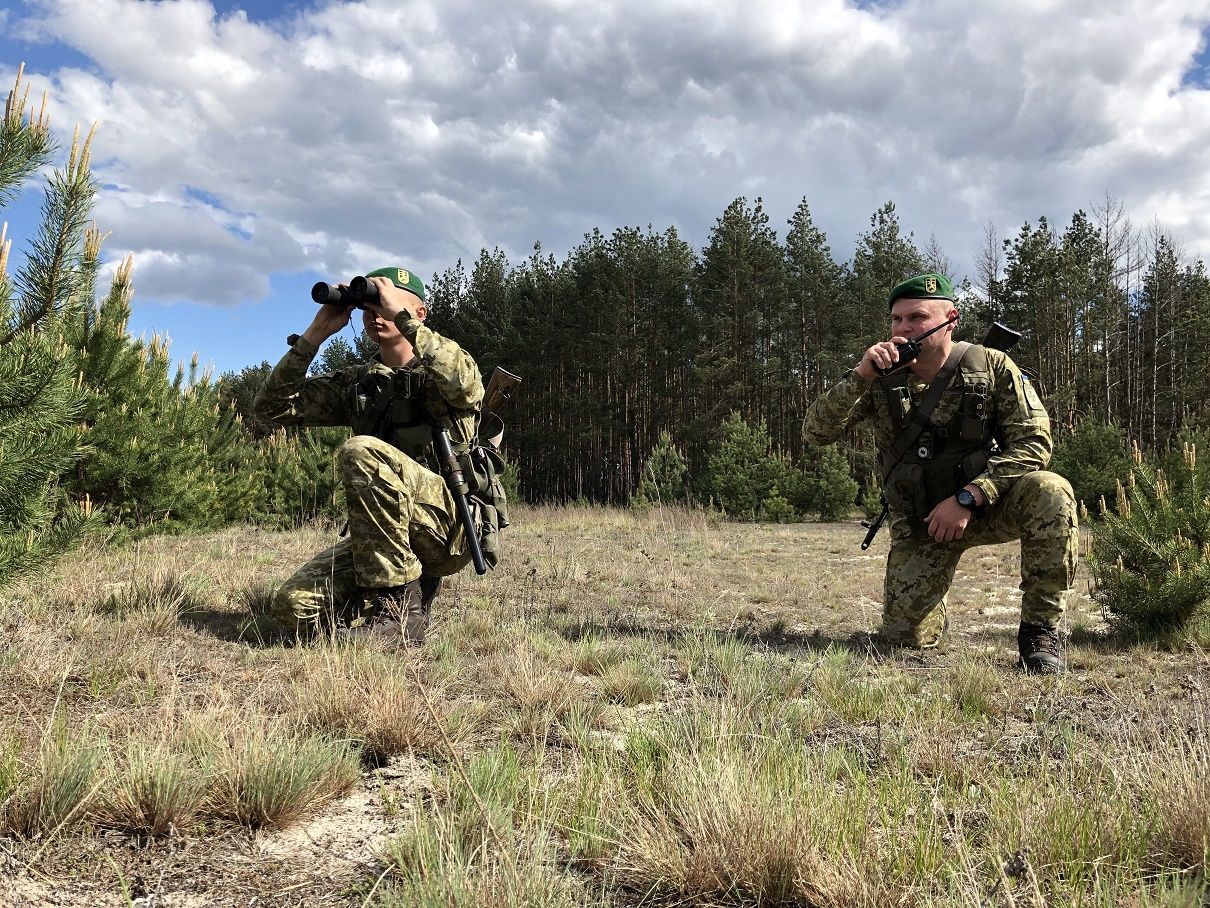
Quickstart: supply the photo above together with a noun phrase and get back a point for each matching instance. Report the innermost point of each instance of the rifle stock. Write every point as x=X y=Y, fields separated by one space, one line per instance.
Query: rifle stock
x=499 y=390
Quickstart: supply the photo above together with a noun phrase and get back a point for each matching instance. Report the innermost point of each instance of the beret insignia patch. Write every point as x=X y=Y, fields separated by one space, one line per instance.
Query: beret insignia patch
x=404 y=277
x=930 y=285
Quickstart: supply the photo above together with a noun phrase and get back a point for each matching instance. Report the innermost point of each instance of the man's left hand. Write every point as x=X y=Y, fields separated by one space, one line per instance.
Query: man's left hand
x=392 y=300
x=948 y=520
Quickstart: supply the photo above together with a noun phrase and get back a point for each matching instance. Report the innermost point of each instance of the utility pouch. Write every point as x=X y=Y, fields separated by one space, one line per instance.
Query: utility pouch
x=973 y=415
x=973 y=465
x=482 y=466
x=905 y=491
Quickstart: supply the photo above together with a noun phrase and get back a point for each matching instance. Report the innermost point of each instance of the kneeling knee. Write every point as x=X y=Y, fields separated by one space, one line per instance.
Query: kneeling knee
x=1049 y=504
x=357 y=450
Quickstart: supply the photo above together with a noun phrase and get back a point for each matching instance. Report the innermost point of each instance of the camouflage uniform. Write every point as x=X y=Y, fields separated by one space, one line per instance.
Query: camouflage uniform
x=989 y=429
x=402 y=519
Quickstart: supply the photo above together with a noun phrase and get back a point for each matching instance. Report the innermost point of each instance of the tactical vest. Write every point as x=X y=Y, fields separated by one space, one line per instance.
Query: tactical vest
x=953 y=449
x=400 y=407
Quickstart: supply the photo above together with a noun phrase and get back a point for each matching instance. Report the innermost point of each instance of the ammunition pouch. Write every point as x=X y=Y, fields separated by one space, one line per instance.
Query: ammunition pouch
x=482 y=467
x=417 y=443
x=905 y=491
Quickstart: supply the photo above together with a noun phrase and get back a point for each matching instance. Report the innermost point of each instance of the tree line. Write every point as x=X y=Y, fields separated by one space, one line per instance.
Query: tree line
x=636 y=333
x=651 y=368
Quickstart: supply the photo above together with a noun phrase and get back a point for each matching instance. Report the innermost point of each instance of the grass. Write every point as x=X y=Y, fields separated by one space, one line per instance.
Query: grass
x=634 y=709
x=271 y=775
x=156 y=790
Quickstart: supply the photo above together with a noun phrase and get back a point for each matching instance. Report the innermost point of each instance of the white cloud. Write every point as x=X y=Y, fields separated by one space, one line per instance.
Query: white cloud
x=423 y=130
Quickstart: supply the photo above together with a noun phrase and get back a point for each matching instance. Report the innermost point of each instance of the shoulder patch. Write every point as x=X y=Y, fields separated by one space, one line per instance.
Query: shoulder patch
x=1032 y=400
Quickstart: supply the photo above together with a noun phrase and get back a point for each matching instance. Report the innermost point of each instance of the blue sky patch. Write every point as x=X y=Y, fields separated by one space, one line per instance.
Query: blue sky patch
x=1198 y=73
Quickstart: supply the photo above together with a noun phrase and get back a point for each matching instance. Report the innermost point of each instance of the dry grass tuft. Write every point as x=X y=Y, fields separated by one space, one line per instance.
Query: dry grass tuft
x=255 y=599
x=153 y=602
x=58 y=791
x=593 y=655
x=631 y=682
x=370 y=697
x=156 y=791
x=530 y=684
x=725 y=826
x=1174 y=777
x=975 y=689
x=265 y=774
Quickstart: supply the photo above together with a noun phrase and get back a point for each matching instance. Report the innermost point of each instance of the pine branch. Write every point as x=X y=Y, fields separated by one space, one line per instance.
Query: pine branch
x=55 y=273
x=25 y=142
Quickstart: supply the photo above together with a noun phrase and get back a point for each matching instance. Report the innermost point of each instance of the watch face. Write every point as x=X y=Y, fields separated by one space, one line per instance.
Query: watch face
x=966 y=498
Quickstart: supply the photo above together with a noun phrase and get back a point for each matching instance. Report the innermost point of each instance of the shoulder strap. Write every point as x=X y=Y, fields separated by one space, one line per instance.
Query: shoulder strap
x=920 y=418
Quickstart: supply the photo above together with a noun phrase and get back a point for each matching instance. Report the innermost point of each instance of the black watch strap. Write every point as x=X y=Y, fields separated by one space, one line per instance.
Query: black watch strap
x=966 y=498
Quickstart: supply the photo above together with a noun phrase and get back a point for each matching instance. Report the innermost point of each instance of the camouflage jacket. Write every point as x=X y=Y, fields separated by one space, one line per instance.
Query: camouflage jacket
x=1006 y=400
x=441 y=385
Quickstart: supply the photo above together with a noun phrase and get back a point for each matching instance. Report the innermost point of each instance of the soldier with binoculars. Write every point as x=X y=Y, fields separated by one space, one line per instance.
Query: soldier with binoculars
x=404 y=528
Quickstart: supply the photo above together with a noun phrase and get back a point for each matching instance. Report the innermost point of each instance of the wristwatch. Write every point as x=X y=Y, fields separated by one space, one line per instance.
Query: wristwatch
x=966 y=498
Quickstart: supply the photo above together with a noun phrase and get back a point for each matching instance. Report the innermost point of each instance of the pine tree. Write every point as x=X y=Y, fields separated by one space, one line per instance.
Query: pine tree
x=742 y=471
x=883 y=258
x=664 y=475
x=39 y=398
x=163 y=452
x=817 y=323
x=1151 y=560
x=739 y=292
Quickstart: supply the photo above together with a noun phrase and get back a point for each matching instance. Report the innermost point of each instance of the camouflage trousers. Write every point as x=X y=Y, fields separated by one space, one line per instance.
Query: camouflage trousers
x=402 y=524
x=1039 y=509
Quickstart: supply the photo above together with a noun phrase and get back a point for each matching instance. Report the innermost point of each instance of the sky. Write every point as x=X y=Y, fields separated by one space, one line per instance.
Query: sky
x=247 y=149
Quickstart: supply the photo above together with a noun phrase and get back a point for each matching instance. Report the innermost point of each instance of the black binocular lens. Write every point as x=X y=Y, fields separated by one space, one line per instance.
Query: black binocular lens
x=359 y=292
x=325 y=293
x=363 y=291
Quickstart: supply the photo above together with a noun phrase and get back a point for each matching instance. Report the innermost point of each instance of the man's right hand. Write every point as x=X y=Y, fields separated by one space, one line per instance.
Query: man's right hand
x=329 y=320
x=882 y=355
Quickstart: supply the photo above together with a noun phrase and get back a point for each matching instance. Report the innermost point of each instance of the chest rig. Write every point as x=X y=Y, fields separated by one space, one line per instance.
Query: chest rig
x=391 y=404
x=955 y=443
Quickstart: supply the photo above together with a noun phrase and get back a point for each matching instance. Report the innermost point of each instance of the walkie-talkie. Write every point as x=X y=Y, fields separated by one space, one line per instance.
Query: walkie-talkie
x=910 y=350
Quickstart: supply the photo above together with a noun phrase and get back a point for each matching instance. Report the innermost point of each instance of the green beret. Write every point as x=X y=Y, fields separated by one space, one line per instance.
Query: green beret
x=922 y=287
x=401 y=278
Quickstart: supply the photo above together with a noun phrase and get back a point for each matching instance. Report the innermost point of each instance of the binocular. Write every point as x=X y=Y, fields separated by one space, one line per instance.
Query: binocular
x=359 y=292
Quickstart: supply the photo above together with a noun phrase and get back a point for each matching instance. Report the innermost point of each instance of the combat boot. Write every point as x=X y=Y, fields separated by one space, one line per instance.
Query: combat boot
x=1040 y=649
x=397 y=612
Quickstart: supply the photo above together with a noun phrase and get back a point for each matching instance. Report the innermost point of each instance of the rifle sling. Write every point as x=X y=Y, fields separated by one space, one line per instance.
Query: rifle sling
x=920 y=418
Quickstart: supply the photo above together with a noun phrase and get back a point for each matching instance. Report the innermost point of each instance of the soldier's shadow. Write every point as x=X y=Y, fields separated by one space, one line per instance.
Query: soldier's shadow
x=237 y=627
x=789 y=642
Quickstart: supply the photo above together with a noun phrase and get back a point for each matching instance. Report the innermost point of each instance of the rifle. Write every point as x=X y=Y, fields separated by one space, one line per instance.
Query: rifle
x=451 y=470
x=499 y=391
x=999 y=337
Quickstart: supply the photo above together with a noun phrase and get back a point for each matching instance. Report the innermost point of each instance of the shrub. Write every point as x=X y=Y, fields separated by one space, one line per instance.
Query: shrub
x=1093 y=459
x=827 y=488
x=1151 y=560
x=776 y=509
x=742 y=470
x=664 y=473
